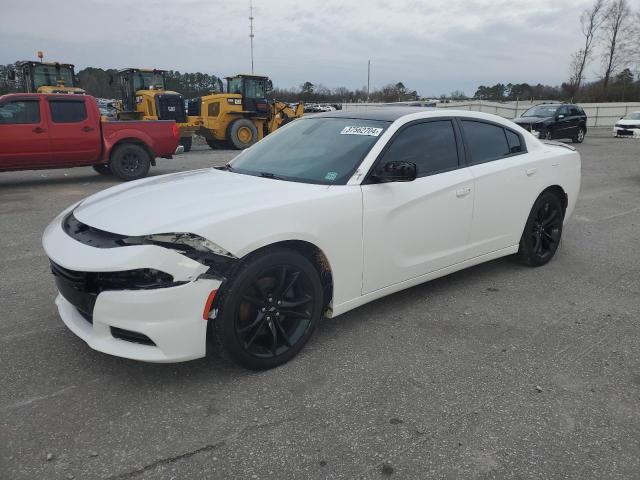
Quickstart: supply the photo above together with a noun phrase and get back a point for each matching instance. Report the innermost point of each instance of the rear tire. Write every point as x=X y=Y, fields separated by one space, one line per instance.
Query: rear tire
x=543 y=230
x=268 y=309
x=186 y=142
x=103 y=169
x=215 y=144
x=130 y=162
x=243 y=133
x=579 y=138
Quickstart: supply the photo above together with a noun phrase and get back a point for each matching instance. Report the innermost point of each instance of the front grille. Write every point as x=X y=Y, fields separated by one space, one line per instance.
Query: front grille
x=130 y=336
x=171 y=107
x=76 y=288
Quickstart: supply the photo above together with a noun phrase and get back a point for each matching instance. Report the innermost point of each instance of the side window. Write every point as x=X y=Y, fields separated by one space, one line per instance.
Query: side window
x=574 y=111
x=514 y=141
x=430 y=145
x=20 y=112
x=564 y=110
x=67 y=111
x=486 y=142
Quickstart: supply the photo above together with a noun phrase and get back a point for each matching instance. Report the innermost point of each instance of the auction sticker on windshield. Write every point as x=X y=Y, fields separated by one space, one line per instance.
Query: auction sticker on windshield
x=369 y=131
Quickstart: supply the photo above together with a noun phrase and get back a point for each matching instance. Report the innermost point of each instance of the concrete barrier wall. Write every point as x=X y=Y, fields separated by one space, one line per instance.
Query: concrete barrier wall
x=599 y=114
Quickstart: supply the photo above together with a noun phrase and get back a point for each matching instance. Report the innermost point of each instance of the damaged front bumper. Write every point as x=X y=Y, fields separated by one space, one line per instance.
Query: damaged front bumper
x=143 y=302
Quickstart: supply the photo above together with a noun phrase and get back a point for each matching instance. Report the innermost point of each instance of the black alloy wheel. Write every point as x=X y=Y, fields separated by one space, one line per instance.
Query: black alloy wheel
x=269 y=310
x=542 y=233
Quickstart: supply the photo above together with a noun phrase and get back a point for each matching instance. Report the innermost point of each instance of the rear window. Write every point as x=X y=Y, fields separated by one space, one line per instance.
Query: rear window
x=20 y=112
x=66 y=111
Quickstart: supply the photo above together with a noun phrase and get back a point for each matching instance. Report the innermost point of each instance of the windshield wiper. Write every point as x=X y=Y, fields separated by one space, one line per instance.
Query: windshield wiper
x=270 y=175
x=226 y=167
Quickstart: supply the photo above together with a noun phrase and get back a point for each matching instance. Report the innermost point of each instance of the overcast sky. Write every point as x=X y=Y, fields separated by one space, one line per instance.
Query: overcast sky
x=433 y=46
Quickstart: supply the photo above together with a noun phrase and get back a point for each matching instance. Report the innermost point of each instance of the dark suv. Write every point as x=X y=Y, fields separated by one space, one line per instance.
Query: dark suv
x=550 y=121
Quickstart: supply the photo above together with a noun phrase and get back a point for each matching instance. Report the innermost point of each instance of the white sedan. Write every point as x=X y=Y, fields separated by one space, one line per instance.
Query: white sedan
x=320 y=217
x=628 y=126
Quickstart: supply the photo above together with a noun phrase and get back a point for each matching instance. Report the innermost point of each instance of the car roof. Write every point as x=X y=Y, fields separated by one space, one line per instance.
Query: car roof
x=386 y=114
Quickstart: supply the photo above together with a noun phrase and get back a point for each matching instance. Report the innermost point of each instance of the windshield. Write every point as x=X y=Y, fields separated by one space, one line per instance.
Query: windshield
x=49 y=75
x=148 y=81
x=633 y=116
x=234 y=85
x=314 y=150
x=541 y=111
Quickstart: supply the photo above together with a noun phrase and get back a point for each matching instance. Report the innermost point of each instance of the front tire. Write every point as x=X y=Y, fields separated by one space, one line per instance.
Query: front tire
x=130 y=162
x=269 y=309
x=243 y=133
x=543 y=230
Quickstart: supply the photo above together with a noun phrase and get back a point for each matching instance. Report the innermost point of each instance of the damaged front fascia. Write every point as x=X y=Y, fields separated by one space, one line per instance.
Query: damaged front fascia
x=190 y=245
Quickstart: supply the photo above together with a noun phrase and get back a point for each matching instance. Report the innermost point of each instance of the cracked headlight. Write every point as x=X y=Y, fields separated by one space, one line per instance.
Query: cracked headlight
x=187 y=240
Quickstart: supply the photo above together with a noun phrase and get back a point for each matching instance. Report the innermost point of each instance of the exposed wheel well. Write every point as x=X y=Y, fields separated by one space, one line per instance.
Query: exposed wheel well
x=138 y=142
x=316 y=257
x=560 y=193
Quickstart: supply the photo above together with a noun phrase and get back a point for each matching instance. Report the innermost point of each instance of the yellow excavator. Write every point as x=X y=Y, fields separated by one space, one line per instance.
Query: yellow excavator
x=144 y=96
x=47 y=77
x=239 y=117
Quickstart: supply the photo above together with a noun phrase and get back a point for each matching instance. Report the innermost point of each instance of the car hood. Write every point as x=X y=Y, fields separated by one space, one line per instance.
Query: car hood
x=531 y=120
x=628 y=122
x=187 y=202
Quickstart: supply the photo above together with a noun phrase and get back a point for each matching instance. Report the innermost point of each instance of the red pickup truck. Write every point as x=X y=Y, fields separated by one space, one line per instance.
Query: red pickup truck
x=59 y=131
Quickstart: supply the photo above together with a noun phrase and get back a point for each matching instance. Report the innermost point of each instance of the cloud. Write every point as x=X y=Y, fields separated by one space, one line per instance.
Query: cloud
x=432 y=46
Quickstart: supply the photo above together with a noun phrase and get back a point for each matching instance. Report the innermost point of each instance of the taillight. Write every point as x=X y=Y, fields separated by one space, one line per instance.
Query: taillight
x=176 y=131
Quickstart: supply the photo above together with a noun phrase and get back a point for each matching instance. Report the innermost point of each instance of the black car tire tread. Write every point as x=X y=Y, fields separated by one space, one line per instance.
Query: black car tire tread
x=526 y=252
x=222 y=332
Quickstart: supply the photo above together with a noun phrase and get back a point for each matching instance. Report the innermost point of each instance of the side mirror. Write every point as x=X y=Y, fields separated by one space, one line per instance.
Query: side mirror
x=560 y=117
x=397 y=172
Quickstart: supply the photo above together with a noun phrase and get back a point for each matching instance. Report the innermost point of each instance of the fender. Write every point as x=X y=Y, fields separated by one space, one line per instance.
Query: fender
x=113 y=137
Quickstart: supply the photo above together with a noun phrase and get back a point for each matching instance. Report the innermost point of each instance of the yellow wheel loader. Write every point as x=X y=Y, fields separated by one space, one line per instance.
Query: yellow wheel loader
x=144 y=97
x=238 y=118
x=47 y=77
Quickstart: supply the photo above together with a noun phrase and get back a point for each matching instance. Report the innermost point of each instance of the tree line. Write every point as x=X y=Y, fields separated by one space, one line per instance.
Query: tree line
x=610 y=31
x=103 y=83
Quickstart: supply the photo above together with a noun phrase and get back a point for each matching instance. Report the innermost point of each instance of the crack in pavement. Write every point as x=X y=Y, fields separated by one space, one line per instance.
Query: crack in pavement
x=207 y=448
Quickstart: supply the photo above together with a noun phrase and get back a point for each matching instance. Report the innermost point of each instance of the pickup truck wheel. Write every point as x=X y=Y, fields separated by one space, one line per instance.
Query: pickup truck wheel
x=186 y=143
x=243 y=133
x=129 y=162
x=103 y=169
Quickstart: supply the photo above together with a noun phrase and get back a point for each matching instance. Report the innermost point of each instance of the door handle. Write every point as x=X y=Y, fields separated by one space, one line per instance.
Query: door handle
x=38 y=130
x=463 y=192
x=531 y=171
x=87 y=129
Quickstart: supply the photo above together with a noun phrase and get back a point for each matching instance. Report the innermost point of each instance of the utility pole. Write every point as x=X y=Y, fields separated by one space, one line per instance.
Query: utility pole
x=251 y=31
x=368 y=78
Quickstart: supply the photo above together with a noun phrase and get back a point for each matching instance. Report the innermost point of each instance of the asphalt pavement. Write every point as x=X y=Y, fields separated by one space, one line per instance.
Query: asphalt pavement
x=498 y=371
